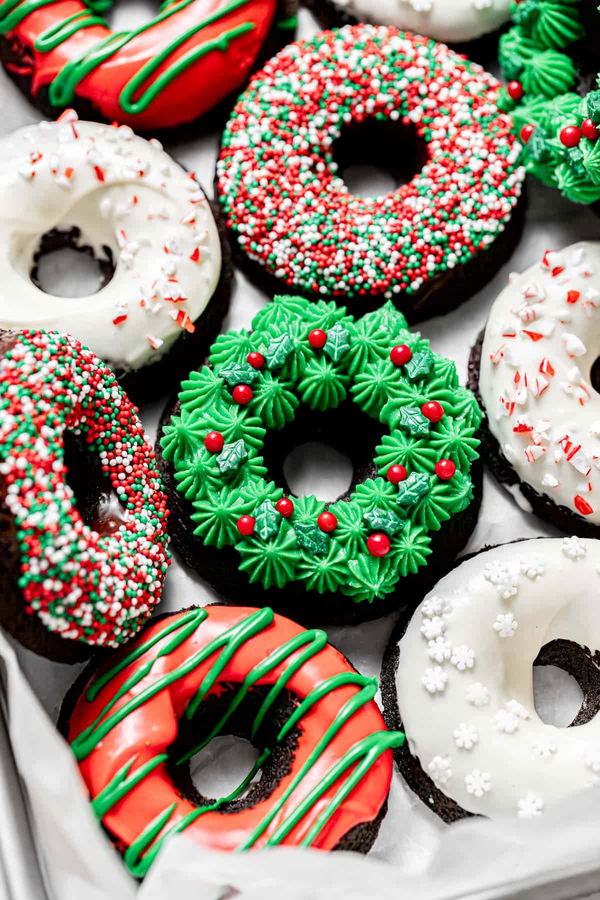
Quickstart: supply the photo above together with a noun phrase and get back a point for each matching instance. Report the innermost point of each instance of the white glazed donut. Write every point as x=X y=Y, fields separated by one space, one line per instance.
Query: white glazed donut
x=453 y=21
x=541 y=340
x=124 y=193
x=465 y=682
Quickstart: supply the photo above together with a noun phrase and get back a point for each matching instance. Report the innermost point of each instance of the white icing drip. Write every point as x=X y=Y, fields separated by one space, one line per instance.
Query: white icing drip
x=122 y=192
x=484 y=720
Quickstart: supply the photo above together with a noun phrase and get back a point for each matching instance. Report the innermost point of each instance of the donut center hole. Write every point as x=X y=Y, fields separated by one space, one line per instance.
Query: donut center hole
x=65 y=266
x=96 y=501
x=324 y=454
x=595 y=376
x=566 y=684
x=222 y=765
x=129 y=15
x=376 y=156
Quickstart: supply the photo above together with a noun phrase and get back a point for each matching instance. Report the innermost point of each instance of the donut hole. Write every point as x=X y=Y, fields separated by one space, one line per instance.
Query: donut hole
x=95 y=499
x=130 y=15
x=595 y=375
x=65 y=266
x=204 y=771
x=326 y=454
x=566 y=681
x=374 y=157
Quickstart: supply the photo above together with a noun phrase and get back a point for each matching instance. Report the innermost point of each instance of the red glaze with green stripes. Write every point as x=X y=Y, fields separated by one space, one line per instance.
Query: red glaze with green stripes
x=164 y=73
x=127 y=717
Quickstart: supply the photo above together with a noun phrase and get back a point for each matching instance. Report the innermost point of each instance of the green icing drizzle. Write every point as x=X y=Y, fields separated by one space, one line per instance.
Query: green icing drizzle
x=349 y=770
x=296 y=549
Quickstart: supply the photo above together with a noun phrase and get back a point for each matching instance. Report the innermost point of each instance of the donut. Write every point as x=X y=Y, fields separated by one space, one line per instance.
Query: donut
x=165 y=73
x=533 y=370
x=369 y=387
x=462 y=22
x=83 y=538
x=459 y=677
x=122 y=199
x=546 y=57
x=324 y=752
x=347 y=96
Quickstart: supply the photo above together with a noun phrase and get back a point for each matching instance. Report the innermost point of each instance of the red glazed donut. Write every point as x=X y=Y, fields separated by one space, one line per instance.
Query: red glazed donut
x=325 y=753
x=164 y=73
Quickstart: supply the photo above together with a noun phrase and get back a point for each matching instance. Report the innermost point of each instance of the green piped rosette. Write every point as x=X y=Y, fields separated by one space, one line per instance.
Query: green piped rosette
x=536 y=54
x=353 y=364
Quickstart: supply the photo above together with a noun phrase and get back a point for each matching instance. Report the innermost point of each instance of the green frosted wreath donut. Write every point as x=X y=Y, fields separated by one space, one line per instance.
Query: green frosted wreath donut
x=303 y=359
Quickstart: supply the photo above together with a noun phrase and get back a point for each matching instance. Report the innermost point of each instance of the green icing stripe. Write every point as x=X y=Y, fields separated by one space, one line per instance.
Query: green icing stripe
x=62 y=31
x=288 y=24
x=355 y=764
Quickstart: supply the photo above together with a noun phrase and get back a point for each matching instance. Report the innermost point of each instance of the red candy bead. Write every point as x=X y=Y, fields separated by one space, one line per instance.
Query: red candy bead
x=327 y=521
x=214 y=441
x=317 y=338
x=378 y=544
x=445 y=469
x=256 y=360
x=285 y=507
x=245 y=525
x=570 y=136
x=433 y=411
x=526 y=132
x=400 y=354
x=242 y=394
x=589 y=130
x=396 y=474
x=515 y=90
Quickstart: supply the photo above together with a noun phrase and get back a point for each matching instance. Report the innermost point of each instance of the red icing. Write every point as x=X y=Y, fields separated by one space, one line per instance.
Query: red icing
x=151 y=728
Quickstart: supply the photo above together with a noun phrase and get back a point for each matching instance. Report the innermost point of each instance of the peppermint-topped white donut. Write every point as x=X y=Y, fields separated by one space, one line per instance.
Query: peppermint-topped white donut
x=125 y=194
x=541 y=341
x=464 y=680
x=453 y=21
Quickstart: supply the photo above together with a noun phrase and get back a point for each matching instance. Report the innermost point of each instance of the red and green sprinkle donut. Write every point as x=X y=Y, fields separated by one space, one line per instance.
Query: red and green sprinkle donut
x=291 y=212
x=86 y=586
x=314 y=355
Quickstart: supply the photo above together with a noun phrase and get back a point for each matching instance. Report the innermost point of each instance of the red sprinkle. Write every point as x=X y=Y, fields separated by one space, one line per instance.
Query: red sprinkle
x=400 y=354
x=570 y=136
x=396 y=474
x=526 y=132
x=589 y=130
x=378 y=544
x=285 y=507
x=242 y=394
x=256 y=360
x=582 y=505
x=433 y=411
x=214 y=442
x=245 y=525
x=515 y=90
x=327 y=521
x=317 y=338
x=445 y=469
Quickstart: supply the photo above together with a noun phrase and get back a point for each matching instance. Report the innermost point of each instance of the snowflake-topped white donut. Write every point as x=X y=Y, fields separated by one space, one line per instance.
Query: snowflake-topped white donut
x=125 y=194
x=466 y=695
x=541 y=341
x=453 y=21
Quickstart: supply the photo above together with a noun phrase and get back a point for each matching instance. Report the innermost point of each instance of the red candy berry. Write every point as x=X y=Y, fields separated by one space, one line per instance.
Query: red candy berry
x=589 y=130
x=515 y=90
x=242 y=394
x=570 y=136
x=396 y=474
x=526 y=132
x=378 y=544
x=245 y=525
x=327 y=521
x=214 y=442
x=400 y=354
x=317 y=338
x=285 y=507
x=433 y=411
x=445 y=469
x=256 y=360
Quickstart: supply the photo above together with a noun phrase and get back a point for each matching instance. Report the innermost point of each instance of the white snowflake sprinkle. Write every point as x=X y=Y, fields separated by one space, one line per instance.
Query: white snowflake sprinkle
x=504 y=578
x=478 y=783
x=439 y=650
x=440 y=770
x=505 y=625
x=434 y=680
x=533 y=566
x=506 y=722
x=433 y=606
x=517 y=709
x=477 y=694
x=463 y=657
x=573 y=547
x=544 y=748
x=465 y=736
x=433 y=628
x=592 y=760
x=530 y=805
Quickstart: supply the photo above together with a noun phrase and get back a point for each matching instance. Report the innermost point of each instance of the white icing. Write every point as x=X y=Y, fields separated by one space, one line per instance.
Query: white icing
x=477 y=733
x=454 y=21
x=147 y=210
x=541 y=340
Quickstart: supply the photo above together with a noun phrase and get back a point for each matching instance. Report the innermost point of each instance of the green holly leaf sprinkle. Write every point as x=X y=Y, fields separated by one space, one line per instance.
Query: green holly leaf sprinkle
x=384 y=520
x=310 y=538
x=232 y=456
x=278 y=350
x=338 y=342
x=238 y=373
x=267 y=520
x=413 y=488
x=592 y=104
x=420 y=365
x=413 y=419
